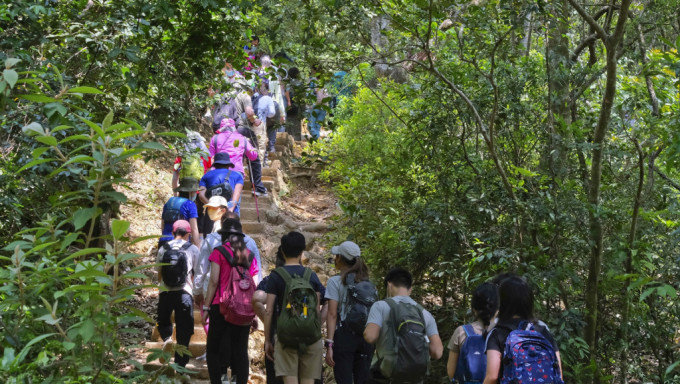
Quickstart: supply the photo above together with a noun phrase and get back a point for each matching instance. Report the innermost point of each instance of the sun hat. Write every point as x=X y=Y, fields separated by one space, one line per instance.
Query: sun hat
x=223 y=158
x=349 y=250
x=216 y=202
x=181 y=224
x=187 y=184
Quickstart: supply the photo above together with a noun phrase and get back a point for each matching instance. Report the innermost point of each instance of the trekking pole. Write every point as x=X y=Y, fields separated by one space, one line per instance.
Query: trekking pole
x=252 y=184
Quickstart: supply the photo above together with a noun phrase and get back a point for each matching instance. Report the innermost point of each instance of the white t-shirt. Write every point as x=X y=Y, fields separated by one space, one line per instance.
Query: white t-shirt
x=192 y=261
x=336 y=290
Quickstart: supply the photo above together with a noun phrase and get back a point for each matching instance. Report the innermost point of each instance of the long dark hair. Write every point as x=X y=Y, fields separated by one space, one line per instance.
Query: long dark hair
x=516 y=299
x=357 y=267
x=236 y=241
x=485 y=302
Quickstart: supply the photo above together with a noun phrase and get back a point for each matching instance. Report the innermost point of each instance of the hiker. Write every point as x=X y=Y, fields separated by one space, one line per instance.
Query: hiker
x=397 y=335
x=292 y=308
x=316 y=114
x=270 y=111
x=254 y=130
x=181 y=207
x=220 y=181
x=467 y=361
x=236 y=145
x=293 y=110
x=229 y=326
x=350 y=296
x=516 y=327
x=193 y=159
x=176 y=289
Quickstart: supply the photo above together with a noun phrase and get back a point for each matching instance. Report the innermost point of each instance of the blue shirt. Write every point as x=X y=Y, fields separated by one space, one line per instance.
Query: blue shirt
x=188 y=211
x=218 y=176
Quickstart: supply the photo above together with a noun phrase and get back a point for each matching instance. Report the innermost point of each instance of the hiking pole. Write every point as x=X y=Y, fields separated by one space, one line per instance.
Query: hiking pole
x=252 y=184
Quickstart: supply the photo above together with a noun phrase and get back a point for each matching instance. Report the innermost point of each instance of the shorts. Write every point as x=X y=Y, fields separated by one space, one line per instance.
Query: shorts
x=290 y=362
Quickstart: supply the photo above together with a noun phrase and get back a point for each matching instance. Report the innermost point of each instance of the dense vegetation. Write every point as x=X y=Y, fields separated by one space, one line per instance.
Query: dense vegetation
x=485 y=136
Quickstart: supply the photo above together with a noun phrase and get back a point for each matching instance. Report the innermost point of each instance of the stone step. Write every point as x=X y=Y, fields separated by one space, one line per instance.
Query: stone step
x=253 y=226
x=248 y=186
x=199 y=333
x=269 y=172
x=250 y=214
x=248 y=201
x=197 y=348
x=281 y=138
x=199 y=367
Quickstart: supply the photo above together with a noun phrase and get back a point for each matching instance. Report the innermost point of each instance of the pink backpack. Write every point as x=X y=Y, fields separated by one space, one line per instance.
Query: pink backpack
x=235 y=301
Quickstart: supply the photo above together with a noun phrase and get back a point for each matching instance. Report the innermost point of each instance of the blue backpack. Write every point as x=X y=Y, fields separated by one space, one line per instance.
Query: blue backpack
x=171 y=209
x=529 y=358
x=471 y=367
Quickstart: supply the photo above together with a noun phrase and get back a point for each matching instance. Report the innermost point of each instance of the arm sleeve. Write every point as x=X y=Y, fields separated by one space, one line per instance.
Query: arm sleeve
x=237 y=178
x=430 y=324
x=333 y=289
x=377 y=314
x=202 y=267
x=271 y=109
x=202 y=183
x=252 y=247
x=190 y=210
x=212 y=150
x=492 y=342
x=456 y=340
x=254 y=267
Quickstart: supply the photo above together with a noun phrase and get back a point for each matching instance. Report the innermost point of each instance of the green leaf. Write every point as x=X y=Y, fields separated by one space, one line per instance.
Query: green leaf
x=94 y=126
x=33 y=129
x=172 y=134
x=68 y=345
x=118 y=196
x=48 y=319
x=154 y=145
x=119 y=227
x=38 y=98
x=10 y=62
x=107 y=121
x=672 y=367
x=34 y=163
x=24 y=351
x=11 y=76
x=82 y=252
x=87 y=330
x=85 y=90
x=82 y=216
x=49 y=140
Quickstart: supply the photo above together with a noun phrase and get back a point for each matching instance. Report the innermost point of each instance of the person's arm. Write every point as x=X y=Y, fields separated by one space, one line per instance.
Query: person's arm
x=195 y=239
x=268 y=314
x=251 y=152
x=324 y=312
x=258 y=301
x=212 y=286
x=493 y=366
x=559 y=362
x=436 y=347
x=451 y=364
x=371 y=333
x=236 y=195
x=200 y=271
x=332 y=321
x=201 y=195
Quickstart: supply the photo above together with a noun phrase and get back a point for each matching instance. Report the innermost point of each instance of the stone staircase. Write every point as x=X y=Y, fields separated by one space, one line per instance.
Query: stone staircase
x=273 y=179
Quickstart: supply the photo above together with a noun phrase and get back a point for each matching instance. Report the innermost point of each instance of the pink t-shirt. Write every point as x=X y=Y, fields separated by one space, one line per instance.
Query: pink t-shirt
x=225 y=271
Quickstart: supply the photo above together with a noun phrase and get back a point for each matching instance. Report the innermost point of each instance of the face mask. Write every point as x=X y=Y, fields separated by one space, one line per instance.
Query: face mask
x=192 y=197
x=214 y=213
x=230 y=73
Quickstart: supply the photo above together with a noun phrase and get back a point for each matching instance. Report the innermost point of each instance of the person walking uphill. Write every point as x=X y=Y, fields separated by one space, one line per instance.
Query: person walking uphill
x=232 y=267
x=221 y=181
x=294 y=293
x=182 y=207
x=176 y=285
x=350 y=296
x=404 y=333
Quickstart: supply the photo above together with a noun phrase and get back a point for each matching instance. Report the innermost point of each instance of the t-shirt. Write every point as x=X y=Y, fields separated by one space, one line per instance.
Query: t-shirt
x=187 y=211
x=192 y=256
x=225 y=272
x=336 y=290
x=495 y=340
x=218 y=176
x=380 y=311
x=459 y=336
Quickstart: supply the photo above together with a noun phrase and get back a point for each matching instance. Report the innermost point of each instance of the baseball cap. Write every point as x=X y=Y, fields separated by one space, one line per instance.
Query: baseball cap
x=349 y=250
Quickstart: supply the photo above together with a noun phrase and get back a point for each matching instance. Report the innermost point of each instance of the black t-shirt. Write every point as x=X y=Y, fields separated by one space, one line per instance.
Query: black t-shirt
x=495 y=341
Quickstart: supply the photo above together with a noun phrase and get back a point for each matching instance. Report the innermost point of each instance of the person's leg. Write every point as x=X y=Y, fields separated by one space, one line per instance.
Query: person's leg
x=286 y=362
x=240 y=366
x=362 y=361
x=344 y=348
x=164 y=315
x=310 y=363
x=184 y=321
x=256 y=167
x=213 y=358
x=271 y=135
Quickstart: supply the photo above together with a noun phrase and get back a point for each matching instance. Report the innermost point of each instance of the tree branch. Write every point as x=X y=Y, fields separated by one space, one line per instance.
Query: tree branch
x=589 y=19
x=667 y=178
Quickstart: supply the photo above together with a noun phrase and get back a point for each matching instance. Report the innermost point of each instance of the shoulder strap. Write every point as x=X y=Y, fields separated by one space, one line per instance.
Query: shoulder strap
x=469 y=330
x=307 y=275
x=166 y=247
x=227 y=256
x=349 y=279
x=284 y=274
x=186 y=245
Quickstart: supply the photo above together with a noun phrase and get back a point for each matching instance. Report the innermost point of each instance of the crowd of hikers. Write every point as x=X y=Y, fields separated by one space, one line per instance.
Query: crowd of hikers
x=206 y=261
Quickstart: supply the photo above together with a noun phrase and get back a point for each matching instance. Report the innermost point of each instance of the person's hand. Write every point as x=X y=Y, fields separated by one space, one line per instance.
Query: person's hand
x=258 y=122
x=198 y=301
x=204 y=317
x=269 y=350
x=329 y=356
x=254 y=325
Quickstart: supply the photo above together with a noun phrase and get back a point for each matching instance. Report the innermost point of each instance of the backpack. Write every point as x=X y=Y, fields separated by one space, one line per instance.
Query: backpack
x=222 y=189
x=171 y=209
x=226 y=109
x=360 y=298
x=298 y=324
x=407 y=355
x=192 y=166
x=175 y=273
x=471 y=367
x=235 y=301
x=529 y=357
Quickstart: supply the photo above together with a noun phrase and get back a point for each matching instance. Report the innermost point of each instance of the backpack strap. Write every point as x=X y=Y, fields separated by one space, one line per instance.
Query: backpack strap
x=469 y=330
x=308 y=274
x=349 y=279
x=229 y=258
x=186 y=245
x=281 y=271
x=166 y=247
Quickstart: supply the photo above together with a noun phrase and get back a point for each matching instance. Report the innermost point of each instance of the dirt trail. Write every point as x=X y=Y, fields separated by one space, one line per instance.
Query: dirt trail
x=298 y=201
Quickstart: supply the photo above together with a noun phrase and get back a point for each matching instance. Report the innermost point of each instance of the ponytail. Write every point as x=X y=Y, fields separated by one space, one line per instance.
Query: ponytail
x=485 y=302
x=357 y=267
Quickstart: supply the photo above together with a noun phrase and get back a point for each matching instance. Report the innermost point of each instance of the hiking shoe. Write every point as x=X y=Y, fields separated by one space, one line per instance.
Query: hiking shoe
x=202 y=357
x=261 y=194
x=168 y=348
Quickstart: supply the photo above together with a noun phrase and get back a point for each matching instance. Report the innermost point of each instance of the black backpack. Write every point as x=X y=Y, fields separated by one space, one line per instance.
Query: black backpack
x=360 y=298
x=222 y=189
x=175 y=273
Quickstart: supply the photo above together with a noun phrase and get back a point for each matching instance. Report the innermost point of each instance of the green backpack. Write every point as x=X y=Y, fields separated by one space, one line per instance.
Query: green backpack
x=298 y=324
x=192 y=166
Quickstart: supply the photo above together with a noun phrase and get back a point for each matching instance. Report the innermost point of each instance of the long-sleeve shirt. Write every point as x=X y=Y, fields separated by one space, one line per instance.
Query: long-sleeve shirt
x=224 y=142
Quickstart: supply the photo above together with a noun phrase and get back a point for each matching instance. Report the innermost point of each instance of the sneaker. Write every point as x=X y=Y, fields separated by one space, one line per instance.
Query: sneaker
x=202 y=357
x=261 y=194
x=168 y=348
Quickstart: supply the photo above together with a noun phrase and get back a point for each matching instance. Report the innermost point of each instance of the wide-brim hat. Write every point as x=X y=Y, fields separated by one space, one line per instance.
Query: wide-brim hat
x=216 y=202
x=231 y=227
x=223 y=158
x=348 y=250
x=187 y=184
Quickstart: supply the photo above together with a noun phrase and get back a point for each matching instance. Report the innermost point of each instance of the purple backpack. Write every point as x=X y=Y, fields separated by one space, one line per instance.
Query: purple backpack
x=529 y=358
